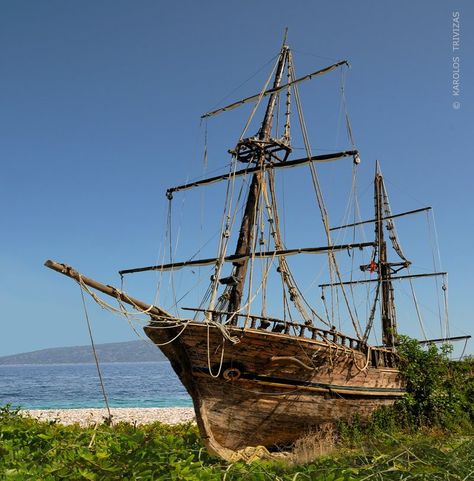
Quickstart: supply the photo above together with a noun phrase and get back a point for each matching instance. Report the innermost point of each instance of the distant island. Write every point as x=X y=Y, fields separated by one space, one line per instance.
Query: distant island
x=131 y=351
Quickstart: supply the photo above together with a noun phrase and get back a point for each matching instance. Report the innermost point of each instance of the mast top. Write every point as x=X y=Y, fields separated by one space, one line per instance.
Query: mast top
x=285 y=35
x=377 y=168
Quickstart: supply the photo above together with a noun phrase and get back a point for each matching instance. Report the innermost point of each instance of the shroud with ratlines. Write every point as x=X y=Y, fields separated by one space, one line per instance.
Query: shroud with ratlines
x=262 y=380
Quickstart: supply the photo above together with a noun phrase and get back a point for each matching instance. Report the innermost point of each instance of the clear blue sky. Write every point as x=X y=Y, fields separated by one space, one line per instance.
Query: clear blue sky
x=100 y=104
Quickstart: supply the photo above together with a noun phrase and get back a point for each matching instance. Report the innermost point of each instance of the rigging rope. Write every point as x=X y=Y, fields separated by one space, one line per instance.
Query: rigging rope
x=346 y=113
x=254 y=229
x=417 y=307
x=174 y=321
x=204 y=160
x=173 y=290
x=243 y=83
x=209 y=367
x=89 y=328
x=265 y=265
x=445 y=296
x=324 y=215
x=434 y=243
x=274 y=222
x=227 y=215
x=260 y=97
x=225 y=232
x=354 y=202
x=390 y=225
x=340 y=237
x=370 y=322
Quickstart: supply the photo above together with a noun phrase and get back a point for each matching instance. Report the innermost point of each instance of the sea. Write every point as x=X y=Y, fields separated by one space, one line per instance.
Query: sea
x=63 y=386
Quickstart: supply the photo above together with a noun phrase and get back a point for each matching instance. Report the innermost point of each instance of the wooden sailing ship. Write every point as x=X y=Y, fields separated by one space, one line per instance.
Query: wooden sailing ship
x=258 y=380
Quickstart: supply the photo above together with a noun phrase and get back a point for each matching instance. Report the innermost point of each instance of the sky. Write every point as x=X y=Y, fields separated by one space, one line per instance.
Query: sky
x=100 y=114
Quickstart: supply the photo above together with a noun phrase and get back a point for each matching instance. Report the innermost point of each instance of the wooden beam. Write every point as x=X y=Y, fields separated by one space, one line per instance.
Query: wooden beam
x=109 y=290
x=275 y=89
x=383 y=218
x=413 y=276
x=445 y=339
x=253 y=170
x=238 y=258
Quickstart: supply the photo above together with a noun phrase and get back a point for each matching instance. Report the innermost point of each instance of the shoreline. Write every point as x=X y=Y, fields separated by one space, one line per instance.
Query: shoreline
x=91 y=416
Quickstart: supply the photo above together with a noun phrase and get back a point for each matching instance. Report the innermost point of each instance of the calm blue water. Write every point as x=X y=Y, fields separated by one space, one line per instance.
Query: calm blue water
x=147 y=384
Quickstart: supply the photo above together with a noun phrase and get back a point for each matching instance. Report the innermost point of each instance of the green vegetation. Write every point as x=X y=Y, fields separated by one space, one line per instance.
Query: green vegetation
x=33 y=450
x=440 y=392
x=427 y=436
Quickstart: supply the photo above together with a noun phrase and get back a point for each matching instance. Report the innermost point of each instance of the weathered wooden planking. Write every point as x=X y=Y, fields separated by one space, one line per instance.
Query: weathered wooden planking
x=271 y=401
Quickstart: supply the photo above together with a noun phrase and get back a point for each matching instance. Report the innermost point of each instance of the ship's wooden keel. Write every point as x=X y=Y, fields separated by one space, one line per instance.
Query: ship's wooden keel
x=270 y=389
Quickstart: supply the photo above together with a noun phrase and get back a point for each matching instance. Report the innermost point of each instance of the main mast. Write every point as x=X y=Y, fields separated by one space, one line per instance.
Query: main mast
x=263 y=153
x=255 y=149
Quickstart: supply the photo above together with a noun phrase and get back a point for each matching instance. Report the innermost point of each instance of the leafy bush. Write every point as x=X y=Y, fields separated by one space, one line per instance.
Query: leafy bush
x=35 y=450
x=439 y=391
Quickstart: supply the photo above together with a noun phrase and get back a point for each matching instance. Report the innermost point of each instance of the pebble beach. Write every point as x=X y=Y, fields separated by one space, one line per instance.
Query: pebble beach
x=87 y=417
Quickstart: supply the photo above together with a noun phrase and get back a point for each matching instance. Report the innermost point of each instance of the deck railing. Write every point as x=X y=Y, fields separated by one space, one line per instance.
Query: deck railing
x=282 y=326
x=379 y=356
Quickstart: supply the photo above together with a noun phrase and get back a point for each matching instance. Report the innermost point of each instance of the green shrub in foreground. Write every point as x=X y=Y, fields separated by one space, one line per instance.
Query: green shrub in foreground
x=440 y=396
x=34 y=450
x=440 y=392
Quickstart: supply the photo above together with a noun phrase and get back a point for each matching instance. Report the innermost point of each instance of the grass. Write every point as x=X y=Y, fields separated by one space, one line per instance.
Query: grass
x=34 y=450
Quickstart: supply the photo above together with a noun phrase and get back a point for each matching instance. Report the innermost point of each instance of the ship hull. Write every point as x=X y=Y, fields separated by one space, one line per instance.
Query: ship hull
x=270 y=389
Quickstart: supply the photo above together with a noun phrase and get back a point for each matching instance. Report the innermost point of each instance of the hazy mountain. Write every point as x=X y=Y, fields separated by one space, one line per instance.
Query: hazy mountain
x=132 y=351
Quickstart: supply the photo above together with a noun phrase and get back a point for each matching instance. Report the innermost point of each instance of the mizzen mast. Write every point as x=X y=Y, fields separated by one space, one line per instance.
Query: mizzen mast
x=387 y=306
x=384 y=268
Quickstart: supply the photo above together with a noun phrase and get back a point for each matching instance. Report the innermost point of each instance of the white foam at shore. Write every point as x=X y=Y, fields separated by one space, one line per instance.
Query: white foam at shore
x=86 y=417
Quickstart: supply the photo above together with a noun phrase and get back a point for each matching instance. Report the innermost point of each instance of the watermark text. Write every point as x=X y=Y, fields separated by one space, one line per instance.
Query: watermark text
x=456 y=60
